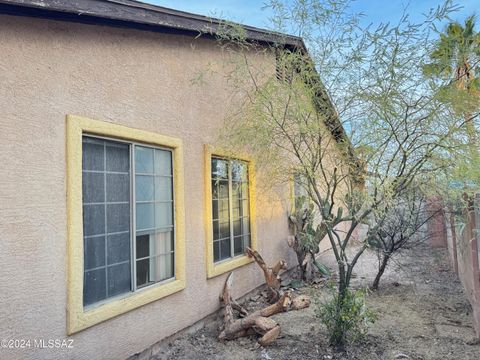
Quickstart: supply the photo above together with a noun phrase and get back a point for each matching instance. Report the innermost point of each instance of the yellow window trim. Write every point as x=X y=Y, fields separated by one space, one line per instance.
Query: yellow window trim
x=227 y=265
x=78 y=318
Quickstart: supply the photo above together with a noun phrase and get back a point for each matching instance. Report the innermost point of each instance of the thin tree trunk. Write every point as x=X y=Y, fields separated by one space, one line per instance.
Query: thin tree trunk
x=380 y=272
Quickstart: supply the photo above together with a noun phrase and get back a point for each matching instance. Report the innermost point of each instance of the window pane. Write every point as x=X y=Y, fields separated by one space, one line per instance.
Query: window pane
x=111 y=218
x=215 y=209
x=223 y=211
x=215 y=230
x=93 y=220
x=219 y=168
x=143 y=272
x=236 y=191
x=238 y=245
x=163 y=215
x=93 y=187
x=245 y=193
x=241 y=226
x=119 y=279
x=144 y=218
x=163 y=162
x=161 y=268
x=245 y=208
x=239 y=170
x=224 y=230
x=246 y=241
x=144 y=189
x=94 y=286
x=118 y=187
x=143 y=246
x=143 y=160
x=299 y=186
x=216 y=251
x=225 y=248
x=246 y=225
x=163 y=242
x=118 y=248
x=163 y=188
x=118 y=157
x=236 y=209
x=223 y=189
x=93 y=154
x=220 y=189
x=94 y=252
x=155 y=269
x=118 y=217
x=156 y=214
x=153 y=244
x=237 y=227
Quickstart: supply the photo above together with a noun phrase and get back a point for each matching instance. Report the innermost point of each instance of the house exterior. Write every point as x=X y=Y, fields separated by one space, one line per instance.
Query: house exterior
x=119 y=217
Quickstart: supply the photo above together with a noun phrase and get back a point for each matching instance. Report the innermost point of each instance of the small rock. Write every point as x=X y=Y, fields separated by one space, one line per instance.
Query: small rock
x=265 y=355
x=296 y=284
x=255 y=298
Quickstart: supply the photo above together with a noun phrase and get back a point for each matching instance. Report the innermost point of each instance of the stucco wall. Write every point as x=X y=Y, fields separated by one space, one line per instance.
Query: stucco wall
x=139 y=79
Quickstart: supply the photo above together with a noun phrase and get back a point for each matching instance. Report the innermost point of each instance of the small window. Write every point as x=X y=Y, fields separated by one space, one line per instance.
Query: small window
x=230 y=208
x=300 y=187
x=128 y=222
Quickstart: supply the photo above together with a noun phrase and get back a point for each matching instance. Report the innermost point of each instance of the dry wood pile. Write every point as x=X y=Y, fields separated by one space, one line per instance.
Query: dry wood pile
x=259 y=322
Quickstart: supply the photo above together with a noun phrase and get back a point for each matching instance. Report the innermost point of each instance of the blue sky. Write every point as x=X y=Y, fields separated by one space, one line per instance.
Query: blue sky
x=250 y=11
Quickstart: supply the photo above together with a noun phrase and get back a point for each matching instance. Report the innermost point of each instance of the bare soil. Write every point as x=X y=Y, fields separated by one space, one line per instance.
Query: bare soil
x=421 y=308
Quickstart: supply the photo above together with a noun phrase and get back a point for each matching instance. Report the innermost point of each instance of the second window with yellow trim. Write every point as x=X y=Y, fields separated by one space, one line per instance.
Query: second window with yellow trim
x=230 y=208
x=230 y=211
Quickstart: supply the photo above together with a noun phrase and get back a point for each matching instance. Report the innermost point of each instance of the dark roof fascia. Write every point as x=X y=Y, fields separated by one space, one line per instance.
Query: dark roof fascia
x=141 y=16
x=134 y=14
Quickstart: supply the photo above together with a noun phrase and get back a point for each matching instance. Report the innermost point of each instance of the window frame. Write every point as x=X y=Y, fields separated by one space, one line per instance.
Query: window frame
x=217 y=268
x=293 y=195
x=78 y=316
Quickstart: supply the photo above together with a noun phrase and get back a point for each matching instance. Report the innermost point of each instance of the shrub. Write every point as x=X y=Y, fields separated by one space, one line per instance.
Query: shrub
x=345 y=317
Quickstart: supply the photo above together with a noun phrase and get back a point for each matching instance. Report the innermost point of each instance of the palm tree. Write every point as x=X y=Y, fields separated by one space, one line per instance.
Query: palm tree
x=455 y=59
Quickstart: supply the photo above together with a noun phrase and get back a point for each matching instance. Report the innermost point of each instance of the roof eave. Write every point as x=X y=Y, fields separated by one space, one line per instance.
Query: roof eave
x=139 y=15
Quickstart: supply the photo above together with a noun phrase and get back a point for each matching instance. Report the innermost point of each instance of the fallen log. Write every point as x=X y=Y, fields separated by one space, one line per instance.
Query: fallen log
x=271 y=274
x=258 y=322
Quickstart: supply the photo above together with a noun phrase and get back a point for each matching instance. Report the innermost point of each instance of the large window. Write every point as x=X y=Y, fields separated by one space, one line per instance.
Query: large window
x=125 y=219
x=108 y=202
x=230 y=208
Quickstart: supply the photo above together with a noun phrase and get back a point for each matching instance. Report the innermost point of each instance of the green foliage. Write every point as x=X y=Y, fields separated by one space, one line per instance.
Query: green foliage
x=345 y=317
x=453 y=65
x=354 y=88
x=307 y=234
x=322 y=268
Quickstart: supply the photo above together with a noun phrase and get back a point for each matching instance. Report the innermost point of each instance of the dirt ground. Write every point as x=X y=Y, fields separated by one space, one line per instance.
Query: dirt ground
x=422 y=314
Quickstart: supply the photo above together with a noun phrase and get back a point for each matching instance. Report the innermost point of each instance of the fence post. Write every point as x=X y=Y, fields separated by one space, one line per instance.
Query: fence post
x=453 y=233
x=474 y=248
x=436 y=225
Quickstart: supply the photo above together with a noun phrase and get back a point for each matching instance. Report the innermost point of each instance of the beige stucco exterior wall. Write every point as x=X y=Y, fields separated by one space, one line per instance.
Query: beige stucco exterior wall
x=139 y=79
